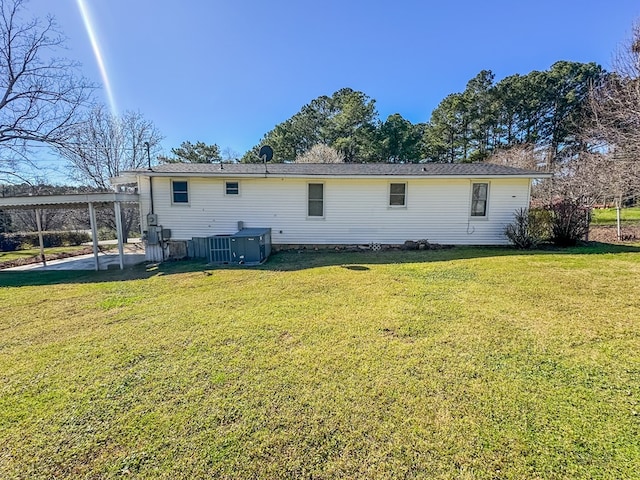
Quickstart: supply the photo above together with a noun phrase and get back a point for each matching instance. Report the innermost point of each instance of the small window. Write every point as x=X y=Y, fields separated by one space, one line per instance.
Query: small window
x=479 y=196
x=180 y=191
x=398 y=195
x=232 y=188
x=316 y=200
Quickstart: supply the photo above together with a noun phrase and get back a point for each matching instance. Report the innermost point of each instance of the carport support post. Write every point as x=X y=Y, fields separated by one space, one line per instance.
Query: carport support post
x=94 y=234
x=40 y=239
x=116 y=207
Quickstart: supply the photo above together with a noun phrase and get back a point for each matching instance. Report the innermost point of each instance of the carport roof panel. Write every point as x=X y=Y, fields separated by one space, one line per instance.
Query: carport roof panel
x=66 y=201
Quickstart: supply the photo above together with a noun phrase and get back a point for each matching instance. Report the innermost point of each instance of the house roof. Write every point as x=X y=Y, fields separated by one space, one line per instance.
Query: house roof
x=479 y=170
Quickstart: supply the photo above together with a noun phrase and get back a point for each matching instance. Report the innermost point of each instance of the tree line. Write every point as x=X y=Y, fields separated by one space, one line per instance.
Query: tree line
x=542 y=108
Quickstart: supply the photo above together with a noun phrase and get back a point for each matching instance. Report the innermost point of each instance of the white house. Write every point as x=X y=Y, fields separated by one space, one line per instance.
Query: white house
x=459 y=204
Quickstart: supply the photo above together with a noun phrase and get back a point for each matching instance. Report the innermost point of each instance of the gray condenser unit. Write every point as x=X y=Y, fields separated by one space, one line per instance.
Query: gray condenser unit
x=220 y=249
x=249 y=246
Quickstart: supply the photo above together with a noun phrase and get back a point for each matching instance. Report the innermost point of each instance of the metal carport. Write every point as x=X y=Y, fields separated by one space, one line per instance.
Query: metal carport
x=75 y=200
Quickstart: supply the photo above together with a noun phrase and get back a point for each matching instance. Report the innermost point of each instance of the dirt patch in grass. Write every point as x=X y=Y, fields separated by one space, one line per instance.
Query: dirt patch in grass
x=608 y=233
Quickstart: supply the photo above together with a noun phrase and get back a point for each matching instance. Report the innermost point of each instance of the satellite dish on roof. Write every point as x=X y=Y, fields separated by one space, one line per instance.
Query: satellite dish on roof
x=266 y=153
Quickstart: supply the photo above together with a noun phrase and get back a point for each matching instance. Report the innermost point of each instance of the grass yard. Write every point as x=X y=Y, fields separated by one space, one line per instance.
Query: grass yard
x=35 y=252
x=452 y=364
x=7 y=259
x=607 y=216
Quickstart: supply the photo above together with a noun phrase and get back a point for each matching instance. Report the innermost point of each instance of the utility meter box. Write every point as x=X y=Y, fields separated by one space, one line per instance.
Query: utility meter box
x=152 y=236
x=156 y=235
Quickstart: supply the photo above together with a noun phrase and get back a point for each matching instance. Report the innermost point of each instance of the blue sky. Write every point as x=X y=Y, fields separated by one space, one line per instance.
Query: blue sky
x=228 y=71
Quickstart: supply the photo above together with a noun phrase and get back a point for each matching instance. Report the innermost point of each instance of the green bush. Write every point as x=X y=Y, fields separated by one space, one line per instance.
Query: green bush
x=9 y=243
x=529 y=228
x=105 y=233
x=77 y=238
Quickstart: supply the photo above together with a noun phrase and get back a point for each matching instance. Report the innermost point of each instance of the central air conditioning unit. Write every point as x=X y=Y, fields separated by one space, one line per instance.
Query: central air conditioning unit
x=220 y=249
x=249 y=246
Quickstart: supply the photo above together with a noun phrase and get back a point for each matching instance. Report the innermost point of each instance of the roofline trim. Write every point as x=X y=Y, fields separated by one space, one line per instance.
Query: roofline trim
x=349 y=176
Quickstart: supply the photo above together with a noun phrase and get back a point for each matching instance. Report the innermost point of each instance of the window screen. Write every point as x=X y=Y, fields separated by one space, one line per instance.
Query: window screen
x=397 y=194
x=180 y=191
x=316 y=200
x=232 y=188
x=479 y=199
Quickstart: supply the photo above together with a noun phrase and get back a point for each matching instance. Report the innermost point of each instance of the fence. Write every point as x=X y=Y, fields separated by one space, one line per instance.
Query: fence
x=606 y=228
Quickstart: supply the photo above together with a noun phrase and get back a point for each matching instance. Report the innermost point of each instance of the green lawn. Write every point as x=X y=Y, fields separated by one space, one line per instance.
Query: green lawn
x=452 y=364
x=607 y=216
x=35 y=252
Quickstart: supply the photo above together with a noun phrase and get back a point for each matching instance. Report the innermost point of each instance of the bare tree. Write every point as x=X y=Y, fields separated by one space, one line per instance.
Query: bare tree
x=40 y=92
x=520 y=156
x=320 y=153
x=606 y=165
x=615 y=103
x=528 y=157
x=614 y=131
x=50 y=220
x=229 y=155
x=104 y=145
x=596 y=178
x=588 y=177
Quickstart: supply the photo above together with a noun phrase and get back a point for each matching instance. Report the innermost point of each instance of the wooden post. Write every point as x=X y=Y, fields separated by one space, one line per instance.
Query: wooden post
x=94 y=235
x=618 y=220
x=40 y=238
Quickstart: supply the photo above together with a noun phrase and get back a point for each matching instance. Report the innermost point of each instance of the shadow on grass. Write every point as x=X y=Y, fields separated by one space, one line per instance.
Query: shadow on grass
x=294 y=260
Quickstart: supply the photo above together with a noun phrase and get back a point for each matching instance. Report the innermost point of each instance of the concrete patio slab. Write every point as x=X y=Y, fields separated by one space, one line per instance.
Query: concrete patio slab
x=107 y=260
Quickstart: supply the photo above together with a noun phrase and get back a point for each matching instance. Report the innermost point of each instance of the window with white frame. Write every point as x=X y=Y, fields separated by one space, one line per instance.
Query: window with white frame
x=479 y=199
x=315 y=197
x=398 y=195
x=232 y=188
x=180 y=191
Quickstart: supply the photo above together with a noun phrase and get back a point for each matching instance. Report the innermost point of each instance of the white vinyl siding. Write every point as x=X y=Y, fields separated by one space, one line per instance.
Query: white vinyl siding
x=356 y=210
